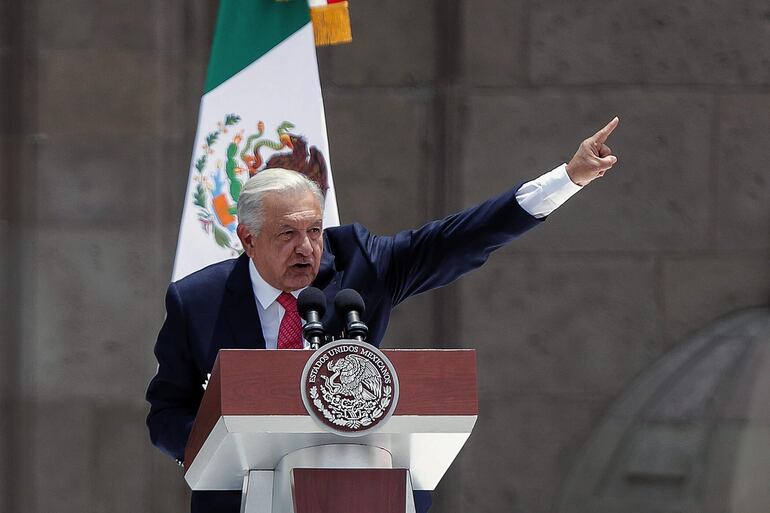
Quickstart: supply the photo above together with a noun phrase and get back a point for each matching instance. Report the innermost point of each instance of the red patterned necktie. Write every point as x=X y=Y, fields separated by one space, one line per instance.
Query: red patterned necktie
x=290 y=331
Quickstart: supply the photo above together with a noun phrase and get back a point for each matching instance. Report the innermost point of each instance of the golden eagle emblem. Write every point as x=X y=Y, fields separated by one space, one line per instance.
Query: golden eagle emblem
x=228 y=157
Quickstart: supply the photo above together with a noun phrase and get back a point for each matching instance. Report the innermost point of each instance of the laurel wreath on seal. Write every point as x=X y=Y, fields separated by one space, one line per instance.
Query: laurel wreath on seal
x=351 y=413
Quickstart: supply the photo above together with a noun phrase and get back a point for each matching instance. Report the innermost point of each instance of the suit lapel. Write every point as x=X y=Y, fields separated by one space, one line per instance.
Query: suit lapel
x=328 y=280
x=241 y=308
x=326 y=271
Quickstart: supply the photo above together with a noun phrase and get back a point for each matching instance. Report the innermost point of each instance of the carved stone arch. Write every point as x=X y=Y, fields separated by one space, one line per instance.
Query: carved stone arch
x=691 y=434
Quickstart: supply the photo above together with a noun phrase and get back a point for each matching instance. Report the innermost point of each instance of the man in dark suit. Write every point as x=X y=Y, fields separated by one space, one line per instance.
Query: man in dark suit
x=249 y=301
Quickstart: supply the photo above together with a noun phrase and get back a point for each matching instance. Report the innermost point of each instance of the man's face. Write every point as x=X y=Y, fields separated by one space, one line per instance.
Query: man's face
x=287 y=250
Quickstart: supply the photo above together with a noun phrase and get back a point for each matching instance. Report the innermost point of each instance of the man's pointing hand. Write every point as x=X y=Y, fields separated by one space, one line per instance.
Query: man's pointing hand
x=593 y=157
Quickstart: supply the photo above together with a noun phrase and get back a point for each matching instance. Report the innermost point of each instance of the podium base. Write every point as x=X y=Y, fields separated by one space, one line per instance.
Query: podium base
x=257 y=496
x=324 y=490
x=336 y=478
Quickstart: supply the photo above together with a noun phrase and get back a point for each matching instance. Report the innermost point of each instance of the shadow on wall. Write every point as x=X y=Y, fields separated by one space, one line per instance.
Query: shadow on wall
x=691 y=434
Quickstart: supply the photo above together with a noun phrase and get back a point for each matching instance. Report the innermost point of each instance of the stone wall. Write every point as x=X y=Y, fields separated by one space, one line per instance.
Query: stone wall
x=436 y=105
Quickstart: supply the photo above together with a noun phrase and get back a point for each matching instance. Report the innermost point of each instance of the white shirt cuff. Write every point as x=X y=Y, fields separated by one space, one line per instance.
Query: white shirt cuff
x=545 y=194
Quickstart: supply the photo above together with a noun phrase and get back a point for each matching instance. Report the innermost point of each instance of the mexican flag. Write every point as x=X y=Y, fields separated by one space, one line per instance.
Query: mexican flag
x=261 y=108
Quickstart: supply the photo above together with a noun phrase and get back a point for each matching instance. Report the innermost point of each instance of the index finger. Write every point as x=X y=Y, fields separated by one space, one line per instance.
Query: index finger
x=605 y=132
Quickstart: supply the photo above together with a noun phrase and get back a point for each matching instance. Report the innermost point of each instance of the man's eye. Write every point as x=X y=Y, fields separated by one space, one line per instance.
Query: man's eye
x=286 y=235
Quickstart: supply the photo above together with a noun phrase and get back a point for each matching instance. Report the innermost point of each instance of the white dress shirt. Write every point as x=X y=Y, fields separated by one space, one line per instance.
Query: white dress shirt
x=269 y=309
x=538 y=197
x=545 y=194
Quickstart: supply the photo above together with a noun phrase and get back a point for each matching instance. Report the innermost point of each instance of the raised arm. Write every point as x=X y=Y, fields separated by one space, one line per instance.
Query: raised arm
x=441 y=251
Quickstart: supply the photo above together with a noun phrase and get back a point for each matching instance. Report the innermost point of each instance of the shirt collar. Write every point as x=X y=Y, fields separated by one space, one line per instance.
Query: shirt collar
x=265 y=293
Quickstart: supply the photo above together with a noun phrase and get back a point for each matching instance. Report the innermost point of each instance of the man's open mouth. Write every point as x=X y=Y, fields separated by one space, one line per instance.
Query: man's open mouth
x=301 y=266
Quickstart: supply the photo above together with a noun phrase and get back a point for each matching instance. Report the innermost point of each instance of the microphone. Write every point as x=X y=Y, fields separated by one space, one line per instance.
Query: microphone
x=311 y=305
x=350 y=304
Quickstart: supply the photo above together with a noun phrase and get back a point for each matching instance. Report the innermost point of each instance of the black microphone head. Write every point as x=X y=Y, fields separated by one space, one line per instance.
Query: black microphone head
x=311 y=299
x=347 y=300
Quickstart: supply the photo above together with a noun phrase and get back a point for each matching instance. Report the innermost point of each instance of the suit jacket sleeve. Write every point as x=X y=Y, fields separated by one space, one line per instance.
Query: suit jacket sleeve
x=175 y=392
x=441 y=251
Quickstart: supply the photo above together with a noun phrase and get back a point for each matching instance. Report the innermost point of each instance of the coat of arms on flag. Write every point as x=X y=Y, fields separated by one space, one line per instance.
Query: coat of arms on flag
x=230 y=155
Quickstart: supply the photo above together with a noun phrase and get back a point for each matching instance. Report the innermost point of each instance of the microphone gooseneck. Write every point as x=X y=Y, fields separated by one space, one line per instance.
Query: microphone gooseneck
x=311 y=305
x=350 y=305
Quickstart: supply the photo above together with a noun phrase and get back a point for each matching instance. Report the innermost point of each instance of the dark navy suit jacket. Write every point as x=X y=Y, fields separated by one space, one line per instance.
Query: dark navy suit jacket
x=215 y=308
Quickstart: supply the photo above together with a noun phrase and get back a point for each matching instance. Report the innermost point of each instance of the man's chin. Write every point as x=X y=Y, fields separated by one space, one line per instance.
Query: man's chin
x=299 y=281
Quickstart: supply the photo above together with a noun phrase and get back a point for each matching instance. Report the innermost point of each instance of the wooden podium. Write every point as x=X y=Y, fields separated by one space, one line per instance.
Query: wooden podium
x=253 y=433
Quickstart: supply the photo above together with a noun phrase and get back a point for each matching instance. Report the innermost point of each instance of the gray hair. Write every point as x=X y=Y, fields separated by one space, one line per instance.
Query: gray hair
x=251 y=207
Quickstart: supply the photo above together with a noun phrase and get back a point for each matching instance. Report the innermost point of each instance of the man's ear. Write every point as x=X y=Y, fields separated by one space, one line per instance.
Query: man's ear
x=247 y=240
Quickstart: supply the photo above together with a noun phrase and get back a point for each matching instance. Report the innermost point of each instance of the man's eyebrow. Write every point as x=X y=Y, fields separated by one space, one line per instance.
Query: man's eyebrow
x=288 y=226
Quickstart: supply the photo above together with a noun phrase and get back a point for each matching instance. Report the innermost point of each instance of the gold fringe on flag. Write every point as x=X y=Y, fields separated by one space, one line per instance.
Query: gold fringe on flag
x=331 y=24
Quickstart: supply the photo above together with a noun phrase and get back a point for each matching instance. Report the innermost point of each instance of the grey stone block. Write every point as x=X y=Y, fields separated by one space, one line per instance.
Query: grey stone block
x=736 y=400
x=17 y=90
x=749 y=492
x=184 y=29
x=658 y=456
x=10 y=341
x=759 y=407
x=520 y=450
x=88 y=92
x=179 y=96
x=691 y=399
x=6 y=11
x=742 y=207
x=6 y=126
x=175 y=156
x=62 y=452
x=656 y=197
x=578 y=326
x=411 y=325
x=380 y=158
x=121 y=453
x=116 y=25
x=98 y=307
x=494 y=42
x=393 y=44
x=629 y=42
x=184 y=43
x=168 y=491
x=6 y=257
x=9 y=306
x=698 y=290
x=447 y=496
x=100 y=181
x=720 y=473
x=193 y=23
x=5 y=468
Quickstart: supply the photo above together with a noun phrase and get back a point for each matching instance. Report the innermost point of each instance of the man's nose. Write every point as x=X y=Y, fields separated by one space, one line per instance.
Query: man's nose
x=304 y=247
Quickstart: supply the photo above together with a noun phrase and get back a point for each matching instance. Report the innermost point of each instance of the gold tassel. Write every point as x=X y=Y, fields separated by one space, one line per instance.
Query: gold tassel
x=331 y=24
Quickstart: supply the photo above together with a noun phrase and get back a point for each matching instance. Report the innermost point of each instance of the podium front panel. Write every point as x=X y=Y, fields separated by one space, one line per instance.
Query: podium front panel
x=252 y=415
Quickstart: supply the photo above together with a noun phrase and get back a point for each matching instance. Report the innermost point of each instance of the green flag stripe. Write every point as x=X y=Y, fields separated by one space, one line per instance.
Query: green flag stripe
x=248 y=29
